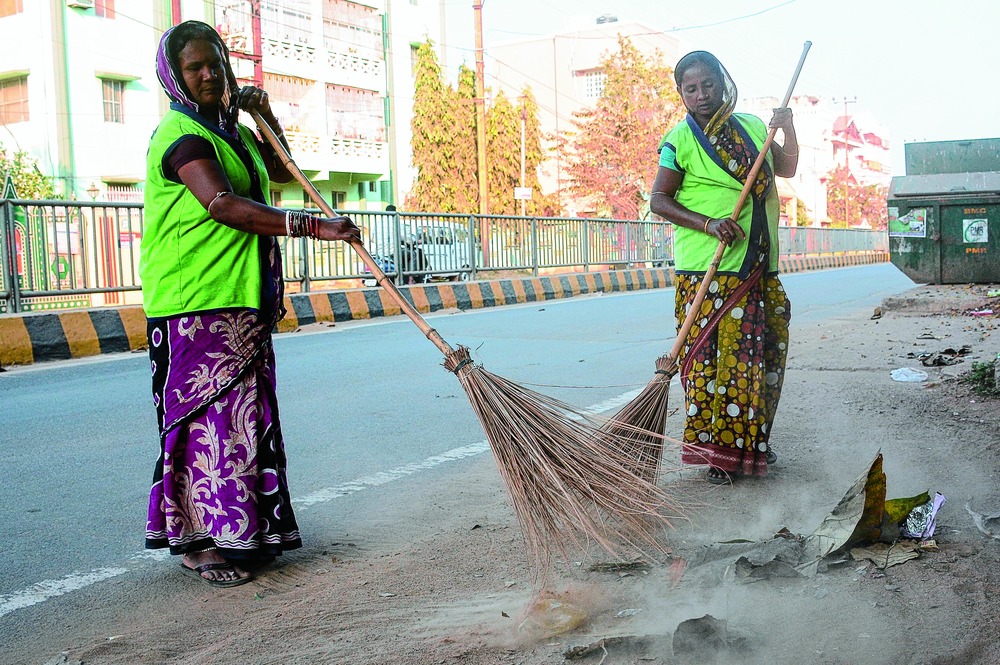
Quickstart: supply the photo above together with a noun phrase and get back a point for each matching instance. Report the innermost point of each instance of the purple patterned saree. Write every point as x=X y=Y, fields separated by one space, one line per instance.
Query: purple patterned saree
x=220 y=480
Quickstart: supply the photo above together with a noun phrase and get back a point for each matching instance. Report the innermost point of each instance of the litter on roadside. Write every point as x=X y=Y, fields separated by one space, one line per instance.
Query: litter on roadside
x=908 y=375
x=884 y=555
x=988 y=523
x=943 y=357
x=549 y=616
x=922 y=520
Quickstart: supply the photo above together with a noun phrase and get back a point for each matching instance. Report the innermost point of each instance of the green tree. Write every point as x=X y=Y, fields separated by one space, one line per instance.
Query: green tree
x=28 y=179
x=611 y=155
x=463 y=163
x=503 y=152
x=432 y=130
x=851 y=204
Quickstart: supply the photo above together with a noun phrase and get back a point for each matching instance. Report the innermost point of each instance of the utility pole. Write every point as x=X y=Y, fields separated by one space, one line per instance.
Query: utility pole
x=524 y=122
x=477 y=7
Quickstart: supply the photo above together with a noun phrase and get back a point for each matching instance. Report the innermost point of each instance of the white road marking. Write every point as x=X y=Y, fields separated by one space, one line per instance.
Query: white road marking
x=383 y=477
x=42 y=591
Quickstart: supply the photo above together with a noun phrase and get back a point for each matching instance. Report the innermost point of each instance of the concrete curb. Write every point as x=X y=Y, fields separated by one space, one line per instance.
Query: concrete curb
x=37 y=337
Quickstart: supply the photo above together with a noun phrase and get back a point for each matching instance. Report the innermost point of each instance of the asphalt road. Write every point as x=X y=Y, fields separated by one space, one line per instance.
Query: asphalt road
x=362 y=405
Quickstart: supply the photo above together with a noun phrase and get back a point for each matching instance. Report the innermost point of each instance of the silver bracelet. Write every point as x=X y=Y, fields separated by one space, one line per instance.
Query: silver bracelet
x=217 y=197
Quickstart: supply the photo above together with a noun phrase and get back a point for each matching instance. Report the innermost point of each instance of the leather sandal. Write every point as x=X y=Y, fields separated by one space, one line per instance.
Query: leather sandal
x=205 y=567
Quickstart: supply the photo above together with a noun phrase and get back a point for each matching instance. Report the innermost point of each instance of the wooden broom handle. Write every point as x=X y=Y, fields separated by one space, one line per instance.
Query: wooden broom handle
x=357 y=245
x=699 y=297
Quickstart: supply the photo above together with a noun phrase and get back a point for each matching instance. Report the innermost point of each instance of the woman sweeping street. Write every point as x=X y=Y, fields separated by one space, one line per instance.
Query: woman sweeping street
x=212 y=292
x=732 y=364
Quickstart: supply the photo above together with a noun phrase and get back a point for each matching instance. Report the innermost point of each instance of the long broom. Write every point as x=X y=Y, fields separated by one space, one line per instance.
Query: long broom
x=646 y=413
x=569 y=480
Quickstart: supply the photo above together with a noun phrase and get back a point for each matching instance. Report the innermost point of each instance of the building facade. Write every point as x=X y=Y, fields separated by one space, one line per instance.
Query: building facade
x=80 y=94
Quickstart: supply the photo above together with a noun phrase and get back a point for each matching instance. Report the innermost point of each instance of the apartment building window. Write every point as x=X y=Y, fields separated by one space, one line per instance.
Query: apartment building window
x=289 y=98
x=593 y=83
x=339 y=199
x=275 y=198
x=10 y=7
x=105 y=8
x=114 y=100
x=353 y=113
x=357 y=26
x=13 y=100
x=307 y=201
x=286 y=20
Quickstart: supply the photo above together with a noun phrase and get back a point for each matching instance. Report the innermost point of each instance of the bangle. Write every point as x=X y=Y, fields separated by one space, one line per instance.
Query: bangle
x=299 y=223
x=789 y=154
x=707 y=222
x=217 y=197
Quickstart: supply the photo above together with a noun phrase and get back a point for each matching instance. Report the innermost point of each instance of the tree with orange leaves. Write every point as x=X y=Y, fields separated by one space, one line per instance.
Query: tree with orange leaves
x=611 y=154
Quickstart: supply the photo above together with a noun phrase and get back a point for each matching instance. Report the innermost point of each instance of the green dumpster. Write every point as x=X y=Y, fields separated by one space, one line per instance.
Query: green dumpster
x=944 y=214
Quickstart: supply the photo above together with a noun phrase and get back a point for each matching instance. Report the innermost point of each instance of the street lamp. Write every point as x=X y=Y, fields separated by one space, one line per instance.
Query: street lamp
x=93 y=191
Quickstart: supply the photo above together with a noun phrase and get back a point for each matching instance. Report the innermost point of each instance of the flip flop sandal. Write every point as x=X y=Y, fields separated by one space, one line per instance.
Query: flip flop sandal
x=771 y=457
x=722 y=478
x=205 y=567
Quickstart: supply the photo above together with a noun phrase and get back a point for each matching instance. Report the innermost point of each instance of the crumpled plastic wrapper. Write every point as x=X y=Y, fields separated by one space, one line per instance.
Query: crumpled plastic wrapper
x=922 y=520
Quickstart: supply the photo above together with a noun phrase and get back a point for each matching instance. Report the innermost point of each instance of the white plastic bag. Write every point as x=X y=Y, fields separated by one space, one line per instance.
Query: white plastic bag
x=908 y=375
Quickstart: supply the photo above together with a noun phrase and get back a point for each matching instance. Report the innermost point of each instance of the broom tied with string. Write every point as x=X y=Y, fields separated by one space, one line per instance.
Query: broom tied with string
x=568 y=479
x=647 y=412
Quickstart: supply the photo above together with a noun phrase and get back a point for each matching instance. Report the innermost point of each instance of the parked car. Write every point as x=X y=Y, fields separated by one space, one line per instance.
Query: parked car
x=446 y=249
x=413 y=264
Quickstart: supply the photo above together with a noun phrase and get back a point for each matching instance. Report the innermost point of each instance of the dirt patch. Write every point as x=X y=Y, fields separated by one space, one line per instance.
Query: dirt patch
x=444 y=580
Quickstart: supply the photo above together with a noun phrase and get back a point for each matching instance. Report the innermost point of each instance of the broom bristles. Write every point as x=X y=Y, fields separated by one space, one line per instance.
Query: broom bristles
x=571 y=478
x=639 y=426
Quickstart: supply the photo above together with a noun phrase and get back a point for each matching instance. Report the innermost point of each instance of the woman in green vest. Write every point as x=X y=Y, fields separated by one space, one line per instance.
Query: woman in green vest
x=732 y=365
x=212 y=292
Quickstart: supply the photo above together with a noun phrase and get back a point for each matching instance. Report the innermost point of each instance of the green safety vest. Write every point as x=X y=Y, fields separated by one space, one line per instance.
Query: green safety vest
x=190 y=262
x=710 y=190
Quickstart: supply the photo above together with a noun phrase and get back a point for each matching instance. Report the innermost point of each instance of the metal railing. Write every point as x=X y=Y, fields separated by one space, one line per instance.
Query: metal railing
x=64 y=254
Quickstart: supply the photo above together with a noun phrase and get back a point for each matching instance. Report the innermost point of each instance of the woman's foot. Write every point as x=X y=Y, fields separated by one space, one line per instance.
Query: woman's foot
x=771 y=457
x=210 y=566
x=717 y=476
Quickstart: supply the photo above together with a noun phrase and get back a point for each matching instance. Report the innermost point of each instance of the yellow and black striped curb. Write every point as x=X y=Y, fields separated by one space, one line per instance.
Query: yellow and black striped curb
x=370 y=303
x=29 y=338
x=802 y=263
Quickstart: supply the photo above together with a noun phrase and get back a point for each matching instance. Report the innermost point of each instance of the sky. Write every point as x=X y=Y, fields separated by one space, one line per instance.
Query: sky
x=920 y=70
